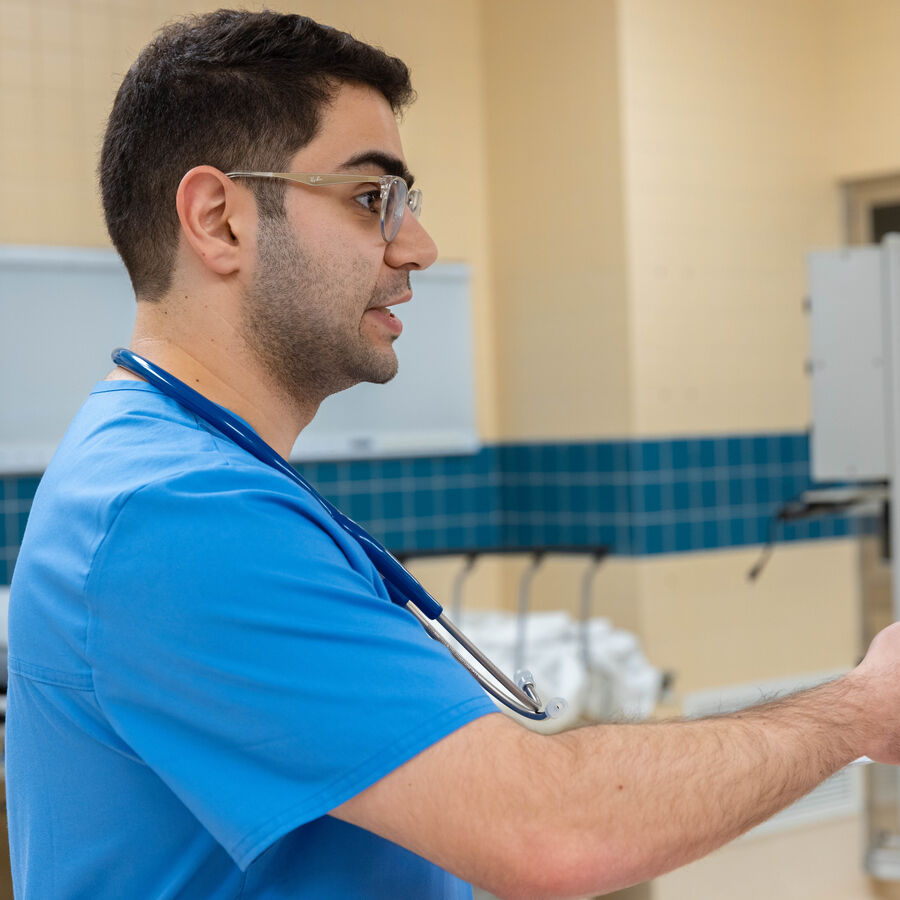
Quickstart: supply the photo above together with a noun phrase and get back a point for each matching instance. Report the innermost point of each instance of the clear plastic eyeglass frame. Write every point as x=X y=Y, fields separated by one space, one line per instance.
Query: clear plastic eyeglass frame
x=396 y=197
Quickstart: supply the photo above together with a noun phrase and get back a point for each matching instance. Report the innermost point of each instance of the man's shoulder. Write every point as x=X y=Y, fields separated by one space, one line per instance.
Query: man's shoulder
x=132 y=454
x=128 y=437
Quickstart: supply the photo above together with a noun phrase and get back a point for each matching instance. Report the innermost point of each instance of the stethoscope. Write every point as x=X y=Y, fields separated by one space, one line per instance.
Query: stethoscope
x=519 y=696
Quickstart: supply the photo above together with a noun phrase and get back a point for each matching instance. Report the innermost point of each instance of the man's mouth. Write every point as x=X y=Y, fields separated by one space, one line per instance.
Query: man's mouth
x=385 y=316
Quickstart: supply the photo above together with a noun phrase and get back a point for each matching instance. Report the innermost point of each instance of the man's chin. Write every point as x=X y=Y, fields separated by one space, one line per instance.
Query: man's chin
x=384 y=376
x=378 y=370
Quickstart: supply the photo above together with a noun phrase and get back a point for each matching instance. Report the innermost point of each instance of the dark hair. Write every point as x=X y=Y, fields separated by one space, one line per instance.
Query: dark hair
x=230 y=89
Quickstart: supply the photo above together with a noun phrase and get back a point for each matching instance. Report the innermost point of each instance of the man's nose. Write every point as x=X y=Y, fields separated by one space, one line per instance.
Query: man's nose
x=413 y=247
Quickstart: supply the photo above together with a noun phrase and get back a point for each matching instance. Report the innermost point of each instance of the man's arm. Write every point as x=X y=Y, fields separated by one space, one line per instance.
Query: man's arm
x=599 y=808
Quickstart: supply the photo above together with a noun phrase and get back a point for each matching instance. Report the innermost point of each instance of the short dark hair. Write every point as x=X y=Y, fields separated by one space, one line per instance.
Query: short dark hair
x=230 y=89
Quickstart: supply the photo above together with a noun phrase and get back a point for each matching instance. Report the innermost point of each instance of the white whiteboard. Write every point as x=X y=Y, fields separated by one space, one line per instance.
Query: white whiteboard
x=62 y=310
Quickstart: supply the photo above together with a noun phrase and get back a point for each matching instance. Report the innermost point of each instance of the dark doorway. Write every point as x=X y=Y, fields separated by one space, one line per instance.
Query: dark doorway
x=885 y=219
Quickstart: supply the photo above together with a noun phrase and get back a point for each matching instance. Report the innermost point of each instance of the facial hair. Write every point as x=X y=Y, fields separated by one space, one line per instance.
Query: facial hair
x=303 y=317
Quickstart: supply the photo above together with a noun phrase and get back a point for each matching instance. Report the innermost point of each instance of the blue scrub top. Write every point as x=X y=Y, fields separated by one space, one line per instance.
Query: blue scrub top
x=202 y=665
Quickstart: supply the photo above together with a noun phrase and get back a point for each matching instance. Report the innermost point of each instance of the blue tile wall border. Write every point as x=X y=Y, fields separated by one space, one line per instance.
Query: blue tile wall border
x=638 y=498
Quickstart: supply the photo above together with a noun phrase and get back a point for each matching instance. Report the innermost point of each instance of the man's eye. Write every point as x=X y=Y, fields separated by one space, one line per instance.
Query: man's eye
x=371 y=200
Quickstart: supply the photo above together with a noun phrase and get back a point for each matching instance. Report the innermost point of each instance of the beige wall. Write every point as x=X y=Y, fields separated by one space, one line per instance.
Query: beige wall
x=862 y=75
x=556 y=207
x=703 y=619
x=727 y=187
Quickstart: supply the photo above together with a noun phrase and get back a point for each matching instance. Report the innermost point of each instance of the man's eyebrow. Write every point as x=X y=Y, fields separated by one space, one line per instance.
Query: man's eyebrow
x=391 y=165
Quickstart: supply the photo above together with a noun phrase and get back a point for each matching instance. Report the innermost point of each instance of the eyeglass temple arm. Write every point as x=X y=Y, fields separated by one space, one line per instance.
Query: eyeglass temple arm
x=312 y=180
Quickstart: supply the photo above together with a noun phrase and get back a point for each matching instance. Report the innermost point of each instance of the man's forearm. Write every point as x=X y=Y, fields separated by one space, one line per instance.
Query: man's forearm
x=638 y=800
x=586 y=812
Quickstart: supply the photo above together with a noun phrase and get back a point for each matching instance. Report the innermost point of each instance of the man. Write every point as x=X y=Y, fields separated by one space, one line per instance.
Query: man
x=210 y=692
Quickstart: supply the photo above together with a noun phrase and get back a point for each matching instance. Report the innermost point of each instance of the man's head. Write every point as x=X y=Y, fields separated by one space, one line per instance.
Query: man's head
x=316 y=310
x=232 y=90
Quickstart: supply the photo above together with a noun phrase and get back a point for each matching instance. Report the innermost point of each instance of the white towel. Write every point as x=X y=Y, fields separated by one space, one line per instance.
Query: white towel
x=618 y=682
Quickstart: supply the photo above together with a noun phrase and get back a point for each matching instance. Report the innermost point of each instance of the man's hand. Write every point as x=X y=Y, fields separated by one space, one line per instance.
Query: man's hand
x=875 y=689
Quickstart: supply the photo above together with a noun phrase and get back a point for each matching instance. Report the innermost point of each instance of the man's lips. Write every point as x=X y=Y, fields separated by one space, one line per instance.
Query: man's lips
x=384 y=315
x=403 y=298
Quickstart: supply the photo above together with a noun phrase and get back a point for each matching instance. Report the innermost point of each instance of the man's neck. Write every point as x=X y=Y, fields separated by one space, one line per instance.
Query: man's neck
x=215 y=362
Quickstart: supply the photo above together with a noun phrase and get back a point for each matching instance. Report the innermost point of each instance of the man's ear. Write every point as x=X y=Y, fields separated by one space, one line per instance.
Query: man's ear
x=215 y=218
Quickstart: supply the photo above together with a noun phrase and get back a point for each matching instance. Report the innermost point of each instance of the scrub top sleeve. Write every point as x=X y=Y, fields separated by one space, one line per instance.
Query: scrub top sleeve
x=249 y=656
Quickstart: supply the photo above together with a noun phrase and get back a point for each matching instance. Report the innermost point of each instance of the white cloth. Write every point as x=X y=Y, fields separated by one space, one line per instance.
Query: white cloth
x=614 y=682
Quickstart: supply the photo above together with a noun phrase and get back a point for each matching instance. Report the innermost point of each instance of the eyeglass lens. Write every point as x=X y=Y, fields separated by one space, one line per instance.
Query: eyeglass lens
x=394 y=207
x=397 y=197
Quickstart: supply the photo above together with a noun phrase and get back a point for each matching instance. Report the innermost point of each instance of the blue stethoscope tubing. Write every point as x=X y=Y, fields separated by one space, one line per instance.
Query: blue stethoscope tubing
x=519 y=696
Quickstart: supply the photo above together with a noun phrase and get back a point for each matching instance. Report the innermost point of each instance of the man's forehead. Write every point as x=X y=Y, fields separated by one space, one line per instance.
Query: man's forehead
x=357 y=132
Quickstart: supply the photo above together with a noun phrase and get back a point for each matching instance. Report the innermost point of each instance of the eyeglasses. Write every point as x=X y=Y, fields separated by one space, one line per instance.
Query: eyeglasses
x=395 y=197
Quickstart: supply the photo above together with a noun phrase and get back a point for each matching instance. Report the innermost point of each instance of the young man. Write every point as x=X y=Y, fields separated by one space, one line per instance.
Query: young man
x=210 y=692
